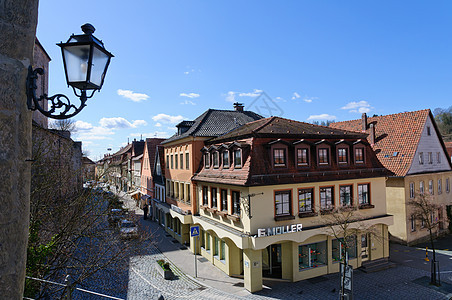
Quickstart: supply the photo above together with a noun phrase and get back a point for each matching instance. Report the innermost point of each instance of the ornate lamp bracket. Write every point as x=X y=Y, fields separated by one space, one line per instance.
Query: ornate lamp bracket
x=60 y=107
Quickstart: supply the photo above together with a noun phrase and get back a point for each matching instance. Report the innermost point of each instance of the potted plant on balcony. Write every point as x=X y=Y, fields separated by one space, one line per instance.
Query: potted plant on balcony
x=163 y=268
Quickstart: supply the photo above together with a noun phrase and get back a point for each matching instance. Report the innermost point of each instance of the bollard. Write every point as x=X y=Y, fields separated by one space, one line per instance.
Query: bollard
x=426 y=254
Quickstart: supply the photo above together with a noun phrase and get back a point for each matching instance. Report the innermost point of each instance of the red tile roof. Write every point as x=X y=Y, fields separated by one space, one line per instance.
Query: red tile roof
x=396 y=137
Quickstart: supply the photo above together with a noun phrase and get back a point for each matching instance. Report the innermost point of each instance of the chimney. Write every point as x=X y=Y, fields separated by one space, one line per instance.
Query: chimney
x=364 y=122
x=372 y=134
x=238 y=106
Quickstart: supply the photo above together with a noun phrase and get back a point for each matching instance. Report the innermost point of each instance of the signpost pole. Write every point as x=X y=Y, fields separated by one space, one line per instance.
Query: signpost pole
x=196 y=264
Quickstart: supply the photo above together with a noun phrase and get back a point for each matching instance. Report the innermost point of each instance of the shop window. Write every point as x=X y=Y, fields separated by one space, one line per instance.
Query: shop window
x=205 y=197
x=363 y=194
x=237 y=158
x=359 y=155
x=235 y=202
x=224 y=199
x=175 y=161
x=421 y=158
x=339 y=248
x=207 y=241
x=187 y=161
x=181 y=161
x=216 y=246
x=305 y=200
x=312 y=256
x=222 y=250
x=203 y=239
x=342 y=155
x=283 y=203
x=213 y=195
x=430 y=187
x=207 y=160
x=326 y=198
x=279 y=157
x=440 y=188
x=323 y=156
x=412 y=190
x=225 y=158
x=345 y=195
x=302 y=157
x=215 y=159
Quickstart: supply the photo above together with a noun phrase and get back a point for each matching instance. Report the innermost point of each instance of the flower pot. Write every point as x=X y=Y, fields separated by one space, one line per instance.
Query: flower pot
x=166 y=274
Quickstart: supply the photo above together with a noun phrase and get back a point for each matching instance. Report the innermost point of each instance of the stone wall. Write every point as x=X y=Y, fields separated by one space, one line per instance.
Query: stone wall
x=18 y=19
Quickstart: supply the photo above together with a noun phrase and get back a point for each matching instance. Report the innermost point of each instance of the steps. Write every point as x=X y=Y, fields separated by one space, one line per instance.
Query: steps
x=376 y=265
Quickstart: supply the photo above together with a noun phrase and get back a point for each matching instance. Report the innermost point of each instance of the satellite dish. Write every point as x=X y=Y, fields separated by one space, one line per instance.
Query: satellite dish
x=109 y=149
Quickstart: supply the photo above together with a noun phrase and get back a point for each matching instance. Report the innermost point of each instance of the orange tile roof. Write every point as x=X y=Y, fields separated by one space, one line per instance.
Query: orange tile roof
x=398 y=133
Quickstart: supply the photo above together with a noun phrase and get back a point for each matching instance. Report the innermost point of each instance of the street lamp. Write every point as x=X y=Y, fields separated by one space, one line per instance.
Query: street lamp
x=85 y=62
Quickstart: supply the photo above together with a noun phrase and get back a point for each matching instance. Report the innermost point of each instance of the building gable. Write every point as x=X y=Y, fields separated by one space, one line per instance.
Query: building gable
x=429 y=155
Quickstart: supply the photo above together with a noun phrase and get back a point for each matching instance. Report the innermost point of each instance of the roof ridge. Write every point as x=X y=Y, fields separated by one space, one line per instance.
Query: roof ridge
x=400 y=113
x=264 y=124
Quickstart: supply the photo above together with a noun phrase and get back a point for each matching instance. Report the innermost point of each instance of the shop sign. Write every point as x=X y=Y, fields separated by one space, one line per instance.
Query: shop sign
x=279 y=230
x=178 y=209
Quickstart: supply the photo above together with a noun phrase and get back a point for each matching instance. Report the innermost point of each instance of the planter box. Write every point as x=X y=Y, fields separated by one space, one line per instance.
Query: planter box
x=165 y=274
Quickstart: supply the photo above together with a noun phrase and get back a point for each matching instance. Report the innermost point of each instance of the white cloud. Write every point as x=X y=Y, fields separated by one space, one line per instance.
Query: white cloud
x=279 y=99
x=358 y=107
x=158 y=125
x=120 y=123
x=295 y=96
x=189 y=95
x=164 y=118
x=188 y=102
x=254 y=93
x=186 y=72
x=95 y=133
x=135 y=97
x=322 y=117
x=309 y=99
x=230 y=96
x=81 y=125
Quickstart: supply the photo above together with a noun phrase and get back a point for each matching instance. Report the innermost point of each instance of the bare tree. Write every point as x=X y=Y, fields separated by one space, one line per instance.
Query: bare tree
x=65 y=125
x=423 y=209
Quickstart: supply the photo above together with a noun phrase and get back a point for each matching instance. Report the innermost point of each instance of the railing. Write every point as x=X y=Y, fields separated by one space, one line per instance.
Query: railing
x=69 y=288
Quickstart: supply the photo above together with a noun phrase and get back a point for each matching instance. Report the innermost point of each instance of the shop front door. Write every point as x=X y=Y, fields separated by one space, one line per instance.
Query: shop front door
x=365 y=247
x=271 y=261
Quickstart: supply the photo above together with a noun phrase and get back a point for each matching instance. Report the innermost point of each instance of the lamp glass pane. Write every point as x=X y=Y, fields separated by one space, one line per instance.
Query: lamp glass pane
x=98 y=68
x=76 y=60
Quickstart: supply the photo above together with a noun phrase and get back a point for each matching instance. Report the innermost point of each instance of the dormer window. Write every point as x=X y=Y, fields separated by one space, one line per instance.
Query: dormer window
x=225 y=158
x=237 y=158
x=359 y=155
x=215 y=159
x=342 y=155
x=279 y=157
x=323 y=156
x=207 y=160
x=302 y=156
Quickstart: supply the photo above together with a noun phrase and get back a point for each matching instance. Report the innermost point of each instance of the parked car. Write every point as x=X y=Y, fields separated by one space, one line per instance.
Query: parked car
x=128 y=229
x=115 y=215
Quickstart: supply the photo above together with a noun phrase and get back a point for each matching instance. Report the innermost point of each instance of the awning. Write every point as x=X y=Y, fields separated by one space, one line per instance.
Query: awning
x=145 y=197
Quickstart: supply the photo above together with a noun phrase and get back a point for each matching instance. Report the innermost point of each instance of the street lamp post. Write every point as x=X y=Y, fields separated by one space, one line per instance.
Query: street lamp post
x=85 y=61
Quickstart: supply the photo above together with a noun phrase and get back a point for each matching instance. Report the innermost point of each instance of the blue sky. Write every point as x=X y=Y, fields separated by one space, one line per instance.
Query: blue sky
x=313 y=60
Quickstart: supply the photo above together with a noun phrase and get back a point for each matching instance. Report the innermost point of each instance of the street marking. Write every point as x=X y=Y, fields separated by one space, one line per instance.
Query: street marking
x=408 y=260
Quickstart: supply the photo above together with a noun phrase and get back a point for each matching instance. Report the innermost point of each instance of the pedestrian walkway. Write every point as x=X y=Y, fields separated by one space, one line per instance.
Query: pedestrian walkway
x=401 y=282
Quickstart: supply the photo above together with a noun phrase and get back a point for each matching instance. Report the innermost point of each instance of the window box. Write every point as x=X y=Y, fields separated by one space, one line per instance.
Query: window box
x=222 y=213
x=163 y=269
x=234 y=218
x=307 y=214
x=283 y=218
x=366 y=206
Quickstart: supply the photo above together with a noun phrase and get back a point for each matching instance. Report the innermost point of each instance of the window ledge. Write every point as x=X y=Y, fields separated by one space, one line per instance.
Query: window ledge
x=366 y=206
x=205 y=207
x=283 y=218
x=307 y=214
x=234 y=218
x=212 y=209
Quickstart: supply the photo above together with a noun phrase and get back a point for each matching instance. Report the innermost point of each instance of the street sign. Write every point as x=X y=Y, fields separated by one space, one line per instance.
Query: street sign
x=194 y=231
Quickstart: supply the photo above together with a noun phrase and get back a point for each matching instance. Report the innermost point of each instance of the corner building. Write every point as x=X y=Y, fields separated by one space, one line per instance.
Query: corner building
x=266 y=190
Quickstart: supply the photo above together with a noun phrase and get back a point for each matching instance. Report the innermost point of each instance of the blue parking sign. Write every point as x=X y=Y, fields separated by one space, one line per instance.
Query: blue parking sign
x=194 y=231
